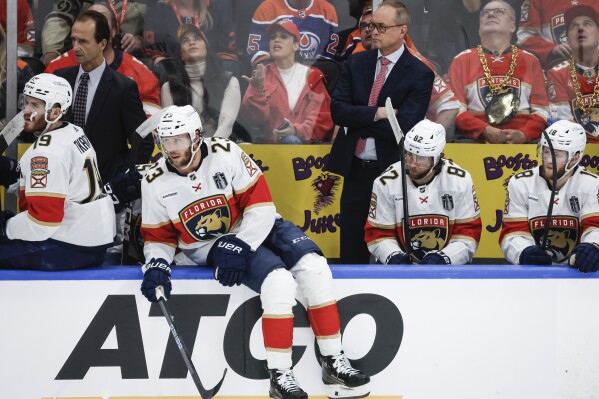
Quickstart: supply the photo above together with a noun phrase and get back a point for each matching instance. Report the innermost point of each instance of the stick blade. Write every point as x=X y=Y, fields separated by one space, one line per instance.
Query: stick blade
x=393 y=120
x=11 y=131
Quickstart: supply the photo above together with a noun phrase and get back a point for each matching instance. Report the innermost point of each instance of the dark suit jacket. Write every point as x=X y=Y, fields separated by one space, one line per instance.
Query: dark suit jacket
x=409 y=85
x=115 y=113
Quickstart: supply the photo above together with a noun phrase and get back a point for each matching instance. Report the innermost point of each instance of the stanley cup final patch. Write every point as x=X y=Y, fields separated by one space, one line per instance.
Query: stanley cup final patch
x=39 y=172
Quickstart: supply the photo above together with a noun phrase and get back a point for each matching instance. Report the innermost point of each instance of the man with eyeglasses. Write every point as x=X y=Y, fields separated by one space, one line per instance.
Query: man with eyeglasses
x=444 y=219
x=443 y=106
x=542 y=28
x=573 y=233
x=573 y=85
x=501 y=88
x=367 y=145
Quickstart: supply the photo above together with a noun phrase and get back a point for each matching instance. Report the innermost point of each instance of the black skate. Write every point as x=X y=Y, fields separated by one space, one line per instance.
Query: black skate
x=341 y=379
x=283 y=385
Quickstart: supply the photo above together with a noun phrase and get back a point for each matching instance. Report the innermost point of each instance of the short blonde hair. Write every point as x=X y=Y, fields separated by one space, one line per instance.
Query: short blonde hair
x=402 y=13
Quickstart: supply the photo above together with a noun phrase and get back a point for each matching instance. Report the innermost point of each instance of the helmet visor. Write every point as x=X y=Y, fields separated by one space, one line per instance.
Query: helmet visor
x=175 y=143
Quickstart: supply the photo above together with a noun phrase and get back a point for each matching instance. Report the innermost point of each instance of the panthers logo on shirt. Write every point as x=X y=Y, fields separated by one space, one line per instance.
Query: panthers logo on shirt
x=484 y=90
x=428 y=233
x=207 y=218
x=562 y=236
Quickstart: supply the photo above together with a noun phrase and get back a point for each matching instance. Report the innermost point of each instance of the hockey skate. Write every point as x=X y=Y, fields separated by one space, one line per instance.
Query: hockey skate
x=341 y=380
x=283 y=385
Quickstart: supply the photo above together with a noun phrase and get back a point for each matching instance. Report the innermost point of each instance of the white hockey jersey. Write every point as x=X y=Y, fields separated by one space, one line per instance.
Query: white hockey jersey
x=60 y=192
x=575 y=216
x=444 y=215
x=227 y=194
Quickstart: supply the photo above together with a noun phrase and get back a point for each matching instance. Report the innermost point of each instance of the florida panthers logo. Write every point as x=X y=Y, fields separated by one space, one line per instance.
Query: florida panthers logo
x=325 y=186
x=589 y=121
x=558 y=29
x=562 y=236
x=428 y=233
x=207 y=218
x=484 y=91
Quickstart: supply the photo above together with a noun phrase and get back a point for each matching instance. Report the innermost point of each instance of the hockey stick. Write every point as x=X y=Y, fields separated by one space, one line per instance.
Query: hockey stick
x=399 y=136
x=11 y=131
x=553 y=189
x=205 y=394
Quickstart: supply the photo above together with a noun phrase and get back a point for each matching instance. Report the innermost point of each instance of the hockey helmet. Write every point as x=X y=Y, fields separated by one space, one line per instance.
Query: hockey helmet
x=51 y=89
x=175 y=121
x=426 y=139
x=566 y=136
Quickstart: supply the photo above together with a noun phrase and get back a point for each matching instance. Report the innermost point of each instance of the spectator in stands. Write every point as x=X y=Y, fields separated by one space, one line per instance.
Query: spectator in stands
x=572 y=236
x=542 y=29
x=25 y=28
x=500 y=88
x=443 y=107
x=368 y=147
x=361 y=38
x=128 y=14
x=106 y=104
x=164 y=19
x=455 y=225
x=315 y=19
x=196 y=77
x=287 y=98
x=120 y=61
x=24 y=73
x=573 y=86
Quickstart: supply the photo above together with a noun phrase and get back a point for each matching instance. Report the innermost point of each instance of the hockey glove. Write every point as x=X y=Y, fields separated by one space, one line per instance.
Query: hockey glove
x=124 y=188
x=10 y=171
x=585 y=257
x=436 y=258
x=4 y=216
x=157 y=273
x=536 y=255
x=229 y=256
x=398 y=258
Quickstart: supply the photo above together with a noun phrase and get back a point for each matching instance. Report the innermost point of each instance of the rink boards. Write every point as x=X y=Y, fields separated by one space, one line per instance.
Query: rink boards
x=435 y=332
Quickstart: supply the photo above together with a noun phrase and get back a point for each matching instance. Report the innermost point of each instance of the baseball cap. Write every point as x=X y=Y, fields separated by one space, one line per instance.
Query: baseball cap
x=285 y=24
x=186 y=28
x=578 y=11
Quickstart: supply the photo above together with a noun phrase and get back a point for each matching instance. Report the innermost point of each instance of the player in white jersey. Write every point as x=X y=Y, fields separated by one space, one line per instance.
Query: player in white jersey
x=208 y=198
x=66 y=222
x=573 y=233
x=444 y=216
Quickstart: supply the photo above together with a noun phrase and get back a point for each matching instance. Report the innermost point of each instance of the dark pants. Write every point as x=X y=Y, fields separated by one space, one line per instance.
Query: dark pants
x=284 y=246
x=49 y=255
x=355 y=202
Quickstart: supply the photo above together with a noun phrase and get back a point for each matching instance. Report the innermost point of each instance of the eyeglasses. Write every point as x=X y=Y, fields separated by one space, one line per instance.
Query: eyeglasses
x=496 y=11
x=365 y=26
x=381 y=28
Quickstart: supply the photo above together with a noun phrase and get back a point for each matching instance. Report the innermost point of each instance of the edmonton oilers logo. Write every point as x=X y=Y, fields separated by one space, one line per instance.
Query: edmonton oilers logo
x=309 y=44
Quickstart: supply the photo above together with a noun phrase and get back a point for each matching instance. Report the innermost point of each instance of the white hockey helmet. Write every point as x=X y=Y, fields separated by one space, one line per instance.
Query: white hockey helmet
x=426 y=139
x=51 y=89
x=566 y=136
x=177 y=120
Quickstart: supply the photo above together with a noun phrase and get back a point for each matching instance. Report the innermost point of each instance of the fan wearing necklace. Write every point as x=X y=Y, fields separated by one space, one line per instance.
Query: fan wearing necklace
x=289 y=100
x=573 y=85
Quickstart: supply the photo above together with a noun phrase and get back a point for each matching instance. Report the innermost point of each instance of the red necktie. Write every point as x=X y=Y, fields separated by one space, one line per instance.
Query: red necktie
x=374 y=95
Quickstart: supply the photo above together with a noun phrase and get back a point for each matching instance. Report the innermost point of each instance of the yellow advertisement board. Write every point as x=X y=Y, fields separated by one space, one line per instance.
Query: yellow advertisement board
x=309 y=196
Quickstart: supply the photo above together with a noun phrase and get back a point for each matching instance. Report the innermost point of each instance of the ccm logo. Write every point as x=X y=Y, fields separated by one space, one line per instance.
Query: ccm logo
x=302 y=238
x=230 y=247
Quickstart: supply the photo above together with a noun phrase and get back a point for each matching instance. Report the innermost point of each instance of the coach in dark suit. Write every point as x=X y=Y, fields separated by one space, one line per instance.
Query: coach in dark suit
x=106 y=104
x=365 y=145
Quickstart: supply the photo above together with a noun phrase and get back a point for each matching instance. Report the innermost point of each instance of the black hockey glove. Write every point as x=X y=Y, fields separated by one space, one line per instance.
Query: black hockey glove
x=536 y=255
x=157 y=273
x=4 y=216
x=124 y=188
x=398 y=258
x=229 y=257
x=585 y=257
x=436 y=258
x=10 y=171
